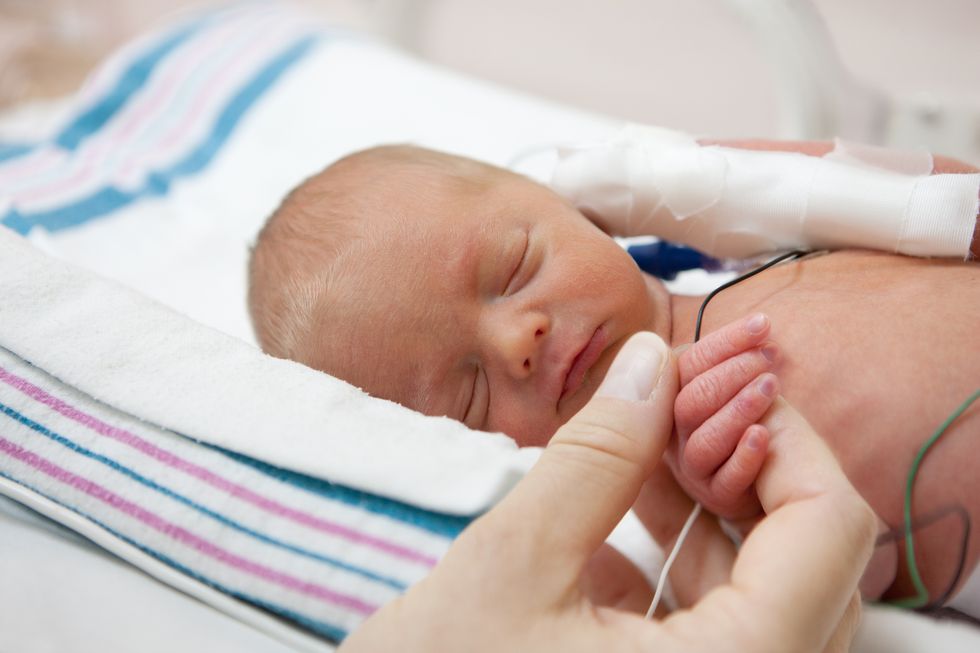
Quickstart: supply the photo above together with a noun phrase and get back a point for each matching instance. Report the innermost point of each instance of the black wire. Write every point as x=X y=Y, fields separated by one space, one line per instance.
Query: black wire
x=782 y=257
x=898 y=534
x=960 y=564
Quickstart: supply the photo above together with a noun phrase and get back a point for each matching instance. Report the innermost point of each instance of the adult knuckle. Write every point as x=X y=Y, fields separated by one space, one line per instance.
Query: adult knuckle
x=598 y=434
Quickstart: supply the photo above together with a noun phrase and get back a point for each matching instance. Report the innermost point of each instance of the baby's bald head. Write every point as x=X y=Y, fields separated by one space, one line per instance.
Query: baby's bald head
x=331 y=225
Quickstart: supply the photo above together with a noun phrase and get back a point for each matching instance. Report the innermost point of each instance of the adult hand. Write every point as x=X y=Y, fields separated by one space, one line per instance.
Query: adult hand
x=512 y=580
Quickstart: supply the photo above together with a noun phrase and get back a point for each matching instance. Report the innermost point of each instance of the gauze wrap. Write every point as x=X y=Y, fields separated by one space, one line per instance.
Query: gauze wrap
x=740 y=203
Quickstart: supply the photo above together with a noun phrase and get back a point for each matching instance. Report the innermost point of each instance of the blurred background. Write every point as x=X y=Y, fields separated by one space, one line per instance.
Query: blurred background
x=899 y=72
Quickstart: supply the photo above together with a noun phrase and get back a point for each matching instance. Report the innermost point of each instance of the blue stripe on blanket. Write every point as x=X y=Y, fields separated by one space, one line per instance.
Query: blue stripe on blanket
x=108 y=199
x=14 y=150
x=330 y=631
x=440 y=524
x=437 y=523
x=231 y=523
x=131 y=81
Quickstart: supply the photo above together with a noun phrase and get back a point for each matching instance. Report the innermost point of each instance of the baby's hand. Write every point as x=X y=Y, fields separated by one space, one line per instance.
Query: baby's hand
x=725 y=389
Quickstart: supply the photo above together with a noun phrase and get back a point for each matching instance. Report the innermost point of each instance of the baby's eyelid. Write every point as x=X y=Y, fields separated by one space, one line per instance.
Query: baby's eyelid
x=520 y=264
x=476 y=418
x=469 y=403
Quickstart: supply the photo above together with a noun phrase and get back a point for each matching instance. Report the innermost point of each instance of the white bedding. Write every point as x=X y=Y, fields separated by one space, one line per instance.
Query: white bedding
x=188 y=249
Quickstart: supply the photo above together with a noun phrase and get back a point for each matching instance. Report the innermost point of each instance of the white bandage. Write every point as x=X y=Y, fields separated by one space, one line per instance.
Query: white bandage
x=740 y=203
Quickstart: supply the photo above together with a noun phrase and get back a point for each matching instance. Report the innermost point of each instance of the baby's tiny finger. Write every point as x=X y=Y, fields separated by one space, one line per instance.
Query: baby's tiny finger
x=713 y=442
x=707 y=393
x=724 y=343
x=732 y=481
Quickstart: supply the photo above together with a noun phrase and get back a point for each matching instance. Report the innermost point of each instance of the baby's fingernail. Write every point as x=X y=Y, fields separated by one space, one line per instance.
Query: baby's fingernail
x=769 y=386
x=770 y=351
x=757 y=323
x=637 y=369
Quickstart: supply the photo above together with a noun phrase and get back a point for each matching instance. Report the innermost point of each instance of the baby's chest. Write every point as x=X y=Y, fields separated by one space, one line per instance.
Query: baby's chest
x=877 y=362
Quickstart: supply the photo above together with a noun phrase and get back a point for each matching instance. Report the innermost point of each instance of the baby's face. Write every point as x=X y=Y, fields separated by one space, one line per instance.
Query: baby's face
x=501 y=308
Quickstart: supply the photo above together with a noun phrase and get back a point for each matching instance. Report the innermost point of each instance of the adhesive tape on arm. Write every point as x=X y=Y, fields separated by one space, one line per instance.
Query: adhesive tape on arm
x=740 y=203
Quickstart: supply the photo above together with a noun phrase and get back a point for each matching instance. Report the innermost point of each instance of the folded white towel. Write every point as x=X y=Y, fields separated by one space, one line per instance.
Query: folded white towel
x=143 y=358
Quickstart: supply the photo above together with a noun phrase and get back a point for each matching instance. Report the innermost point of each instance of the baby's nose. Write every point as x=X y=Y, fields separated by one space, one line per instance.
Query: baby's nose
x=517 y=339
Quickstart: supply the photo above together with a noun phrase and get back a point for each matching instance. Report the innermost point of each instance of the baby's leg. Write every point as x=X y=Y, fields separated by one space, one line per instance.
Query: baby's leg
x=726 y=389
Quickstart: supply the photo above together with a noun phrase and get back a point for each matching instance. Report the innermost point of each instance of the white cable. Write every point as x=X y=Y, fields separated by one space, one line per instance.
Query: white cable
x=670 y=559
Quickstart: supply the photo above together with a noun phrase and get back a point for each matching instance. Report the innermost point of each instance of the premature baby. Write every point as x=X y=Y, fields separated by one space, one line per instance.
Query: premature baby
x=457 y=288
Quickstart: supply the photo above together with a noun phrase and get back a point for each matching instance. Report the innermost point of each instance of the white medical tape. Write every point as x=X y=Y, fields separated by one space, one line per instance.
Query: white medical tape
x=741 y=203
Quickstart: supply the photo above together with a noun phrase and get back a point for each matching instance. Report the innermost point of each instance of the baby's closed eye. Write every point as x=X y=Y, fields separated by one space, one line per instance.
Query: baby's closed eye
x=516 y=278
x=477 y=410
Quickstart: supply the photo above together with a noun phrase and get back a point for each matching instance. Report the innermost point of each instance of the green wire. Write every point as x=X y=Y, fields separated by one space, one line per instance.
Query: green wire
x=921 y=597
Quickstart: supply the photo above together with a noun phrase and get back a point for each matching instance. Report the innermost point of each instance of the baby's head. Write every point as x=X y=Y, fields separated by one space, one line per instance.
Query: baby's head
x=450 y=286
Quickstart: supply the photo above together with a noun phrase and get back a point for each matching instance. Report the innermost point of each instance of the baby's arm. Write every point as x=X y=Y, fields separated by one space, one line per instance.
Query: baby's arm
x=940 y=164
x=726 y=388
x=739 y=199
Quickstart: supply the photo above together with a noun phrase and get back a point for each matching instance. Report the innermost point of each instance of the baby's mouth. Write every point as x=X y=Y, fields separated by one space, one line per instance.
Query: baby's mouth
x=583 y=361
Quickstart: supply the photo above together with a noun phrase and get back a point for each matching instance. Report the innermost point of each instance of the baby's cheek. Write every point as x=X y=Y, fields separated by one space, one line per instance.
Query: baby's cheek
x=526 y=430
x=659 y=305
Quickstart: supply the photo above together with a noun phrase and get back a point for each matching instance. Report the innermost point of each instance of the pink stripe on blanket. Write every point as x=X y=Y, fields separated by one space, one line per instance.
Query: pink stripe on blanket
x=182 y=535
x=209 y=477
x=100 y=156
x=170 y=142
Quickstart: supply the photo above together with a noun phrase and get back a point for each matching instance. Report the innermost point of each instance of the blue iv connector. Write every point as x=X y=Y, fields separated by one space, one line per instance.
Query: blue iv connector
x=665 y=260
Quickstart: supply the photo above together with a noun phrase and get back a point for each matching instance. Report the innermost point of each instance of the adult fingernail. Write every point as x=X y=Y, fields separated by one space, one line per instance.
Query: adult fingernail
x=757 y=323
x=637 y=369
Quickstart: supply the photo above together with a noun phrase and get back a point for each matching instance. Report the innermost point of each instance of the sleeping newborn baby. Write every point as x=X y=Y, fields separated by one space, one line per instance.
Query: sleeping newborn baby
x=457 y=288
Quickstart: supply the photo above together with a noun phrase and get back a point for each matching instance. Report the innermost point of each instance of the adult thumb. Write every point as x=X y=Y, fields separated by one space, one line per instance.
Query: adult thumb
x=593 y=468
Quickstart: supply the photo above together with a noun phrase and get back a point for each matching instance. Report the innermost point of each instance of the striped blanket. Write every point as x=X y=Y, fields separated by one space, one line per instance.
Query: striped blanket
x=158 y=111
x=182 y=449
x=319 y=554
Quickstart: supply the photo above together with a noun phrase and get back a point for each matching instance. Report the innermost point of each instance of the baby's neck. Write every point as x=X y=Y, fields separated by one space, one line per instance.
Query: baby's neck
x=683 y=314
